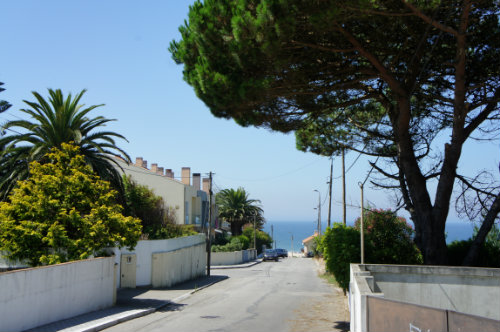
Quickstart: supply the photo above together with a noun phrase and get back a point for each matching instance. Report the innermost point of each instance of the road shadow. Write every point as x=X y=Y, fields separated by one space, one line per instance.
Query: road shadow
x=342 y=326
x=171 y=307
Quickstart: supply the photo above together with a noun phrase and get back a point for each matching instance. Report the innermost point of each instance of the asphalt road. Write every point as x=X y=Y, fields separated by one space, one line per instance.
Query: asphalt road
x=271 y=296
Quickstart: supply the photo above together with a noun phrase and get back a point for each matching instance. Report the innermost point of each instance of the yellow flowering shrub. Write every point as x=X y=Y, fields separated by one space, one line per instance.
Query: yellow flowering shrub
x=63 y=212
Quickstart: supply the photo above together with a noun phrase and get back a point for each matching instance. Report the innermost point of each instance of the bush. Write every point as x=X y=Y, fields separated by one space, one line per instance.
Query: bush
x=261 y=238
x=236 y=243
x=341 y=246
x=489 y=254
x=63 y=212
x=388 y=239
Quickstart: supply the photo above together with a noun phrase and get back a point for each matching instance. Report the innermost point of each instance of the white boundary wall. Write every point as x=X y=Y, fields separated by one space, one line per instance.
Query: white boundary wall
x=474 y=291
x=232 y=257
x=38 y=296
x=146 y=248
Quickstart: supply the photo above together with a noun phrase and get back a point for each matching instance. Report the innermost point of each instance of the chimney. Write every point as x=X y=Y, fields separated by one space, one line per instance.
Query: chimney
x=139 y=161
x=159 y=171
x=196 y=180
x=154 y=168
x=186 y=176
x=169 y=173
x=206 y=185
x=145 y=164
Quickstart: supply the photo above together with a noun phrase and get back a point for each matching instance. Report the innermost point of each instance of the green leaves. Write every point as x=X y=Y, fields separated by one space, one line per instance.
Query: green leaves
x=54 y=122
x=63 y=212
x=235 y=207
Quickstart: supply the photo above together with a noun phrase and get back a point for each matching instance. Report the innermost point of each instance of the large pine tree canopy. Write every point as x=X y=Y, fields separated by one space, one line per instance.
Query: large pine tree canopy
x=383 y=78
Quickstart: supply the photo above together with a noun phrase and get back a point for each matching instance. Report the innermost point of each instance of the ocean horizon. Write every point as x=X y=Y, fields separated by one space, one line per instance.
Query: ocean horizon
x=290 y=234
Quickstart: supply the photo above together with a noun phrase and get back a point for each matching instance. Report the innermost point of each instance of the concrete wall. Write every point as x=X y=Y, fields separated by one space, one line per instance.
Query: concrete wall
x=38 y=296
x=173 y=267
x=145 y=250
x=233 y=257
x=474 y=291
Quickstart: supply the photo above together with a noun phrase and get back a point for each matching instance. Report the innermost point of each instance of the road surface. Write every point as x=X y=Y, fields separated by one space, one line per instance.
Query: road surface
x=271 y=296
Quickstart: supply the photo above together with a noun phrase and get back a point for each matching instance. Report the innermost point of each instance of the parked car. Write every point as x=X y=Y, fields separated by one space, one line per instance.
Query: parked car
x=270 y=254
x=282 y=253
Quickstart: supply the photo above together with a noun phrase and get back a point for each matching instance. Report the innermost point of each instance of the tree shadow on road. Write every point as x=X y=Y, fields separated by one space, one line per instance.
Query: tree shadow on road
x=342 y=326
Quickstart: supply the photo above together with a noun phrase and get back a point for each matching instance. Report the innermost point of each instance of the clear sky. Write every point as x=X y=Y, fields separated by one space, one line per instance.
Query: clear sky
x=117 y=50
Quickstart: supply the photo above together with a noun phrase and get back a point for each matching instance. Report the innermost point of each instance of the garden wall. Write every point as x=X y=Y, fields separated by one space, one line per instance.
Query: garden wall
x=464 y=293
x=38 y=296
x=140 y=272
x=232 y=257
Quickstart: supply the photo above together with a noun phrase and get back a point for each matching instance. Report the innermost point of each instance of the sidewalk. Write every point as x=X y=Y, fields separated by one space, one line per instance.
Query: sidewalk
x=136 y=302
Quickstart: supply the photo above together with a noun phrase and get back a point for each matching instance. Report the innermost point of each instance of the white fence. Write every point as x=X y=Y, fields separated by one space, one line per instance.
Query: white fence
x=38 y=296
x=232 y=257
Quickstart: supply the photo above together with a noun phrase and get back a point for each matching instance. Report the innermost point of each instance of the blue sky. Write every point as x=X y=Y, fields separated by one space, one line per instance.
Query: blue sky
x=117 y=50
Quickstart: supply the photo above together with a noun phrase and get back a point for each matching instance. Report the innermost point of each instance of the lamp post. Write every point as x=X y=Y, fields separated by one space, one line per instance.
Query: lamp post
x=319 y=211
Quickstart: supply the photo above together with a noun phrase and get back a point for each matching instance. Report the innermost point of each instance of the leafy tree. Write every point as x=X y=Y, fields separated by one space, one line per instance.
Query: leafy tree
x=158 y=220
x=341 y=245
x=63 y=212
x=4 y=105
x=261 y=238
x=388 y=238
x=383 y=78
x=235 y=207
x=56 y=121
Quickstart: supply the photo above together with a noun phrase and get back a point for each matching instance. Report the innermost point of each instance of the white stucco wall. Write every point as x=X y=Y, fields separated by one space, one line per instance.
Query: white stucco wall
x=38 y=296
x=474 y=291
x=145 y=249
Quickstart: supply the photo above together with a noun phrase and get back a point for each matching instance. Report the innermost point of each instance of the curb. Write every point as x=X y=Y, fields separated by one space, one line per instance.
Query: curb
x=145 y=312
x=239 y=266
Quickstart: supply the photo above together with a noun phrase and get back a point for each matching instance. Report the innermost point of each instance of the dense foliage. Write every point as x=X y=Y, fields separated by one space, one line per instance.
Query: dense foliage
x=384 y=78
x=158 y=220
x=243 y=241
x=341 y=246
x=4 y=105
x=489 y=252
x=388 y=238
x=54 y=122
x=63 y=212
x=237 y=208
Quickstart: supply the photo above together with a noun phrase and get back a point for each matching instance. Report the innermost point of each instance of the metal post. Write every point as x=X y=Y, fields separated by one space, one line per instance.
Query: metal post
x=343 y=189
x=209 y=228
x=362 y=228
x=319 y=211
x=254 y=231
x=272 y=238
x=330 y=193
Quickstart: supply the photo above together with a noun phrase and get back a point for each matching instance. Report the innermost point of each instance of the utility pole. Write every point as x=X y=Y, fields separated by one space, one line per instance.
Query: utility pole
x=209 y=239
x=254 y=231
x=272 y=237
x=330 y=193
x=319 y=211
x=343 y=189
x=361 y=226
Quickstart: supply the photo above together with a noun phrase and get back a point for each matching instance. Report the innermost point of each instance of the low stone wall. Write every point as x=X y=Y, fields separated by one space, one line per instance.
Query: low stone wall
x=37 y=296
x=233 y=257
x=462 y=290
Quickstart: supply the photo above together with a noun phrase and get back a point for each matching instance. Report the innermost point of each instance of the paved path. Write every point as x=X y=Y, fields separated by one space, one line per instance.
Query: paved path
x=273 y=296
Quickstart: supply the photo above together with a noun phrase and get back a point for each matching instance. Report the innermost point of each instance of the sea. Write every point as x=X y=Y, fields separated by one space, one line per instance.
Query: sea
x=289 y=234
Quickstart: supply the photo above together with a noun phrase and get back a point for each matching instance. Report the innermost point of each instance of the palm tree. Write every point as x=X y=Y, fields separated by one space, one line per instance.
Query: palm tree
x=60 y=120
x=236 y=208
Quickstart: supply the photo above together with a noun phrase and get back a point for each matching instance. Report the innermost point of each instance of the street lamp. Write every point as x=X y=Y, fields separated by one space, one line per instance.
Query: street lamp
x=319 y=211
